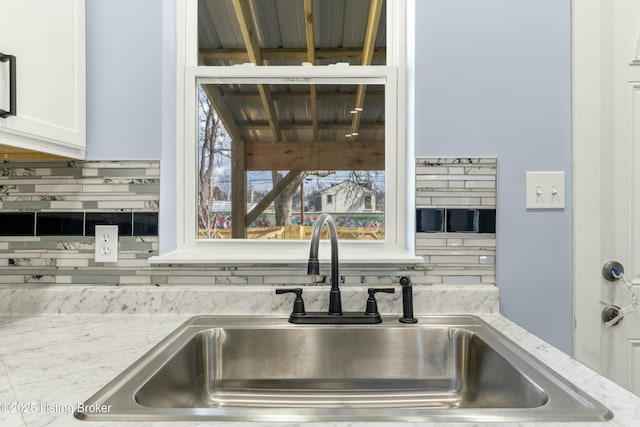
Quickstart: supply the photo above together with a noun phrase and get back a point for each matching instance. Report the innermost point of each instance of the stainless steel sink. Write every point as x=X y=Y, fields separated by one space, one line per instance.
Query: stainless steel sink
x=445 y=368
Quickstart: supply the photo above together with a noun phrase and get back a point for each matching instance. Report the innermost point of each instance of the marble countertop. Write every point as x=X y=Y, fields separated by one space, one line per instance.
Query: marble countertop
x=49 y=363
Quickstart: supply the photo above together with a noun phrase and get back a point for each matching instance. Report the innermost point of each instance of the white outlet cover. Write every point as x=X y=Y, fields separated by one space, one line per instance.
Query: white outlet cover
x=106 y=243
x=545 y=190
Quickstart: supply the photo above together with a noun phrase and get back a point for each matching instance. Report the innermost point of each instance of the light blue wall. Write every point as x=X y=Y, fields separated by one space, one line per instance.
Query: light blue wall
x=493 y=78
x=167 y=217
x=124 y=79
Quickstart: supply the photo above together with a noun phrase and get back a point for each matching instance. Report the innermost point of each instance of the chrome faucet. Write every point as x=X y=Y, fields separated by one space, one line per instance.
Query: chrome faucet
x=313 y=266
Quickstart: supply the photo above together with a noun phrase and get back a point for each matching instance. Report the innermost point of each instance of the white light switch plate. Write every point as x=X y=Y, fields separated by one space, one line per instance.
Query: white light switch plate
x=545 y=190
x=106 y=243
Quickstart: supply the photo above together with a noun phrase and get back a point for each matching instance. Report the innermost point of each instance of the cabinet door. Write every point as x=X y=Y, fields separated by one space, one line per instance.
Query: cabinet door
x=48 y=40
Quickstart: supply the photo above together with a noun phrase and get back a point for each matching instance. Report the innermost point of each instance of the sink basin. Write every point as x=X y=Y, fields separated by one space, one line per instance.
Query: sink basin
x=445 y=368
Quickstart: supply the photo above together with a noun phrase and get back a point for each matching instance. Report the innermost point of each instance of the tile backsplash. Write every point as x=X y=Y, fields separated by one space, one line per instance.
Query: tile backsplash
x=76 y=223
x=456 y=219
x=48 y=211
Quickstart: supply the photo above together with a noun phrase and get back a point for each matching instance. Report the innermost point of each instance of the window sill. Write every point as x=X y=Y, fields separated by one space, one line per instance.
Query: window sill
x=286 y=255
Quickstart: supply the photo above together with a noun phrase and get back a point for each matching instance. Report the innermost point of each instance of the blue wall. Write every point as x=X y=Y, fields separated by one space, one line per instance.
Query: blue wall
x=492 y=78
x=124 y=79
x=168 y=189
x=131 y=56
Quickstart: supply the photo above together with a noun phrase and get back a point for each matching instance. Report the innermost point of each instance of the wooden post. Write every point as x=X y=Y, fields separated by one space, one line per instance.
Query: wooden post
x=302 y=202
x=238 y=191
x=302 y=210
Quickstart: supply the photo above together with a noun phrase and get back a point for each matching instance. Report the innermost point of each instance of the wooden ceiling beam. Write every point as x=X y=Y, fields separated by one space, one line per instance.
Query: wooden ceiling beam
x=330 y=155
x=215 y=97
x=250 y=37
x=302 y=96
x=235 y=129
x=373 y=22
x=311 y=58
x=267 y=103
x=248 y=30
x=359 y=107
x=375 y=12
x=308 y=26
x=262 y=125
x=300 y=54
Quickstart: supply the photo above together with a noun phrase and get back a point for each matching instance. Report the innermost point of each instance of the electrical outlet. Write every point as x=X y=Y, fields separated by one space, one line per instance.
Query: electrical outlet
x=545 y=190
x=106 y=243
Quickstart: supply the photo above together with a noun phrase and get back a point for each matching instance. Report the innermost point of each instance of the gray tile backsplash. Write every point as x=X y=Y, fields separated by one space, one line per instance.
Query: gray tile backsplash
x=63 y=190
x=464 y=190
x=92 y=187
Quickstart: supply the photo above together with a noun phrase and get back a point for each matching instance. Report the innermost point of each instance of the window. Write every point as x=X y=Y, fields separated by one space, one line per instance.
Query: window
x=272 y=78
x=258 y=167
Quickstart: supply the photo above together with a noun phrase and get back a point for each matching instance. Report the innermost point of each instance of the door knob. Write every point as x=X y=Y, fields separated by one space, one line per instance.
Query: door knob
x=611 y=270
x=609 y=314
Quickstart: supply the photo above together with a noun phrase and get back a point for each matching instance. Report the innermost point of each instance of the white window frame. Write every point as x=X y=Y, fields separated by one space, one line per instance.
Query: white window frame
x=190 y=250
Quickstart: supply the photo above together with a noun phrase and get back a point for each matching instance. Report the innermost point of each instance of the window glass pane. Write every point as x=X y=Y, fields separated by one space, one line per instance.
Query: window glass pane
x=273 y=157
x=276 y=32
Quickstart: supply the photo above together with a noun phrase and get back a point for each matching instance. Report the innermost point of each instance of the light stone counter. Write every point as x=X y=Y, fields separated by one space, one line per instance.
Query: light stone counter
x=50 y=362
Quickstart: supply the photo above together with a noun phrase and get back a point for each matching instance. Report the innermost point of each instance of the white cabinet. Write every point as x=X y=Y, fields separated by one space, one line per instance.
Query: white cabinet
x=47 y=39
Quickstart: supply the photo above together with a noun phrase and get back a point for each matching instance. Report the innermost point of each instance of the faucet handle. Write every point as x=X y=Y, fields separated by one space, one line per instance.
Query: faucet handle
x=298 y=302
x=372 y=305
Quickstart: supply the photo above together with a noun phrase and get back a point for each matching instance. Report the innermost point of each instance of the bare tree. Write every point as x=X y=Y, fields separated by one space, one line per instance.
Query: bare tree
x=360 y=181
x=283 y=203
x=213 y=142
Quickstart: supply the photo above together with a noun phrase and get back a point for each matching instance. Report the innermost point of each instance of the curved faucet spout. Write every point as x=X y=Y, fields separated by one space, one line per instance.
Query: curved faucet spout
x=313 y=267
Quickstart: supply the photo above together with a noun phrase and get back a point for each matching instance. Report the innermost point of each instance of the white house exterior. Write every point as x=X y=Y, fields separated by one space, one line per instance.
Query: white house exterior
x=347 y=197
